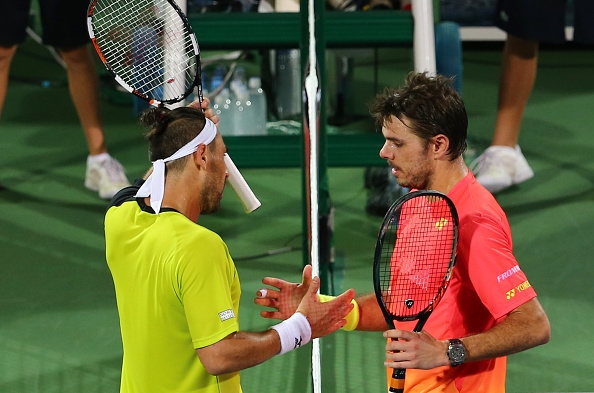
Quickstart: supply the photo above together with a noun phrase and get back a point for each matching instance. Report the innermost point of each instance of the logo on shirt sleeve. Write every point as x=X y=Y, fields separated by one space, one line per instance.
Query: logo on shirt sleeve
x=508 y=274
x=227 y=314
x=522 y=287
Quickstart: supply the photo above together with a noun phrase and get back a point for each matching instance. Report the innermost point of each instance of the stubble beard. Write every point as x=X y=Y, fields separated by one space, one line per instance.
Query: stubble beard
x=418 y=179
x=211 y=198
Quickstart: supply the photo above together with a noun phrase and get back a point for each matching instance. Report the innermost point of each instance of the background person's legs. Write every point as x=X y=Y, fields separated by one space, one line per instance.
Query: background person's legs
x=518 y=73
x=6 y=55
x=503 y=164
x=104 y=173
x=82 y=82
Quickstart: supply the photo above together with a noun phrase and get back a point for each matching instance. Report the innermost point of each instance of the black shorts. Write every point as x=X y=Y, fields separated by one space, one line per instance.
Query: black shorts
x=545 y=20
x=64 y=22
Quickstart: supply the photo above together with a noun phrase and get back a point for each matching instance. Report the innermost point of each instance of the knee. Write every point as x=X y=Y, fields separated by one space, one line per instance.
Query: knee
x=76 y=56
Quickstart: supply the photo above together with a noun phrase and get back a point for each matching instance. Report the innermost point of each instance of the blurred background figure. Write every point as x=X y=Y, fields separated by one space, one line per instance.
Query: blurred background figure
x=526 y=22
x=64 y=27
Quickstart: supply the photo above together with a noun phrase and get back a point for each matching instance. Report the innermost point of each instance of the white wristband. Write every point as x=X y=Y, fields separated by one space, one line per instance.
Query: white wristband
x=293 y=333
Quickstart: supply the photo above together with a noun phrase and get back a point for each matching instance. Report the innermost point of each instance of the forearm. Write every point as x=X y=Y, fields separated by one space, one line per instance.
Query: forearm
x=242 y=349
x=525 y=327
x=365 y=316
x=239 y=351
x=371 y=317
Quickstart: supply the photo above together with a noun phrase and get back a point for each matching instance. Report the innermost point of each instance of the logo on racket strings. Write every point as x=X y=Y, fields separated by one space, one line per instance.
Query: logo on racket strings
x=409 y=303
x=441 y=223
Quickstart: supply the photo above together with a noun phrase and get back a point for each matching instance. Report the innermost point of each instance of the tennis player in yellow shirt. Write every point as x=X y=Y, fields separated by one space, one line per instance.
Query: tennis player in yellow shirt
x=176 y=285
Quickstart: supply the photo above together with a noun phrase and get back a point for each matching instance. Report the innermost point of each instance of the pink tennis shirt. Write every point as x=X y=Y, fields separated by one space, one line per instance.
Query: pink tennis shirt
x=486 y=285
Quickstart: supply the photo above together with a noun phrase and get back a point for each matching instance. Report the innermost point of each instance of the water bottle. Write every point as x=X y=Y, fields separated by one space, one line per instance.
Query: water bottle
x=259 y=107
x=288 y=83
x=222 y=107
x=217 y=78
x=239 y=76
x=240 y=107
x=240 y=102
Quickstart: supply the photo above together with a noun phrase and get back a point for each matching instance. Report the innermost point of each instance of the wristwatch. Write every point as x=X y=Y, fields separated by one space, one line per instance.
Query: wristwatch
x=456 y=352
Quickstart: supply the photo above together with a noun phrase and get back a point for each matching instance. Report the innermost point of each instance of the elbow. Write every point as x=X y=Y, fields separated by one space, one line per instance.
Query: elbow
x=215 y=365
x=541 y=332
x=545 y=335
x=216 y=369
x=532 y=320
x=541 y=327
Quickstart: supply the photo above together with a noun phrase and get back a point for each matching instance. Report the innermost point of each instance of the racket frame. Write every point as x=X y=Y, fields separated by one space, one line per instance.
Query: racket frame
x=391 y=215
x=197 y=83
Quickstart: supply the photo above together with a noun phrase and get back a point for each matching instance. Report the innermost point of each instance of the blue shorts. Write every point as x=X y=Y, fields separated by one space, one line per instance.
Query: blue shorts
x=64 y=22
x=545 y=20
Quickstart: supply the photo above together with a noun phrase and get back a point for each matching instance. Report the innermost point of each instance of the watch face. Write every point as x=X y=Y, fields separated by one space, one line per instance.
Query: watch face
x=456 y=352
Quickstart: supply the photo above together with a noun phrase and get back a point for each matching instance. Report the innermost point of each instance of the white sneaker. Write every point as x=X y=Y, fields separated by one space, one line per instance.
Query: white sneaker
x=106 y=176
x=500 y=167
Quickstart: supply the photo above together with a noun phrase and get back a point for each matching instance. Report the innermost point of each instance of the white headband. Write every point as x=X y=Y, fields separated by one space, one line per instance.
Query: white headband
x=154 y=186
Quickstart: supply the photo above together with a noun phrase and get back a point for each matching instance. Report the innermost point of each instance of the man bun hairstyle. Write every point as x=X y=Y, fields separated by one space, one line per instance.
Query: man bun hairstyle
x=170 y=130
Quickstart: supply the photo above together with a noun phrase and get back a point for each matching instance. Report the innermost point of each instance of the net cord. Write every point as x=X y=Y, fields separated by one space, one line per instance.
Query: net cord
x=311 y=90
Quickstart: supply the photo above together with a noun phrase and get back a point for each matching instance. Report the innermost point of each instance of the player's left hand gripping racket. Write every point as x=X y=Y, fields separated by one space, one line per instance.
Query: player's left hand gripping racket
x=151 y=50
x=414 y=257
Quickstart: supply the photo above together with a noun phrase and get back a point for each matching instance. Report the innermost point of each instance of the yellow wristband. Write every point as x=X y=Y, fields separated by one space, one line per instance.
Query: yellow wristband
x=352 y=317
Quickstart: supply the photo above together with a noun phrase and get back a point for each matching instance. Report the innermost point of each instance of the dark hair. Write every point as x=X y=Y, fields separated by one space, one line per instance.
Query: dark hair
x=432 y=105
x=170 y=130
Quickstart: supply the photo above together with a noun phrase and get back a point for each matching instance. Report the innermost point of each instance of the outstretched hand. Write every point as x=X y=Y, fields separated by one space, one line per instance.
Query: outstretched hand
x=285 y=298
x=328 y=317
x=288 y=298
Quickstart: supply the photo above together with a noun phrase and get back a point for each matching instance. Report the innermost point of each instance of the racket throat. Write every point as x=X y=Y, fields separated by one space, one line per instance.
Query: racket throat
x=421 y=322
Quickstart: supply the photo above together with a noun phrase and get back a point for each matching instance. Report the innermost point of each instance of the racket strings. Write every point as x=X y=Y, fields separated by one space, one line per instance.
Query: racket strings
x=416 y=255
x=147 y=45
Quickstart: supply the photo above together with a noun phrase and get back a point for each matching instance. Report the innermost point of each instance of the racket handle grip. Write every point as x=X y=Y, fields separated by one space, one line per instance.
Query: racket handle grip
x=240 y=186
x=397 y=381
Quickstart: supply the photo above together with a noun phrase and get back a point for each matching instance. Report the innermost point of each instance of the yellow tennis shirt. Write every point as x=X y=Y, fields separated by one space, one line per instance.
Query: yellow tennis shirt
x=177 y=289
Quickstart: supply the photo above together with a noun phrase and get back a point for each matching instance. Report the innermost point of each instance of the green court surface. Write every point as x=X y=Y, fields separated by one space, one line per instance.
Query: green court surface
x=58 y=320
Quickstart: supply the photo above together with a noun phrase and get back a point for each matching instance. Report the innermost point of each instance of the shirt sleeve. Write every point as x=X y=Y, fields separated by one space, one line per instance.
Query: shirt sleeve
x=209 y=291
x=493 y=270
